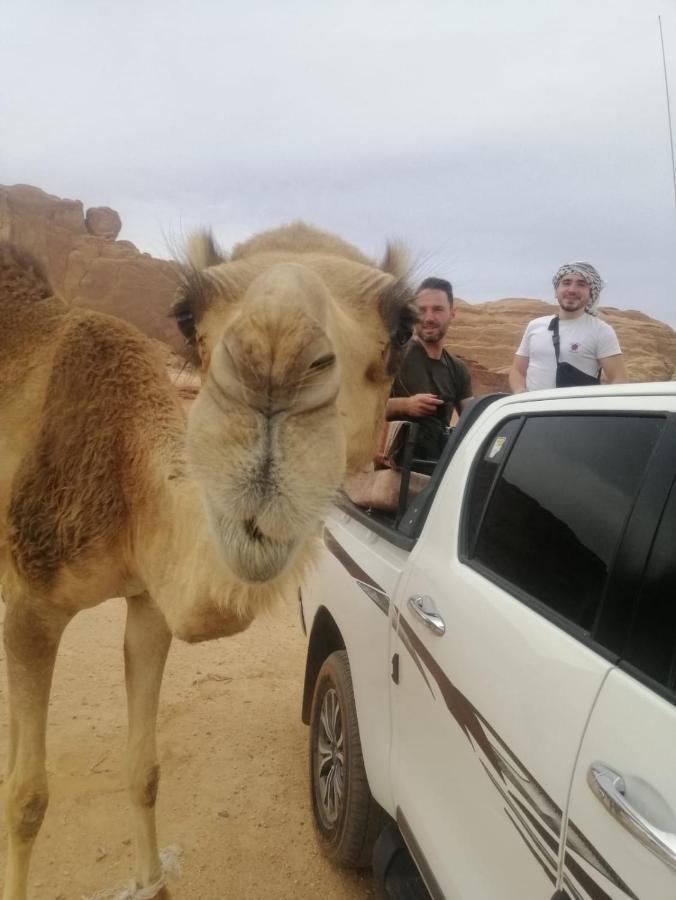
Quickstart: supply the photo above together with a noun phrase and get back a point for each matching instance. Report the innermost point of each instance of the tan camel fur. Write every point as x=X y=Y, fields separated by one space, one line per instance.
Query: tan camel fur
x=106 y=491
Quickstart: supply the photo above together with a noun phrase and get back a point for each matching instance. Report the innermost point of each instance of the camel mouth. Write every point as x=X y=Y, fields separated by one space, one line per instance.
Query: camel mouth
x=252 y=556
x=253 y=530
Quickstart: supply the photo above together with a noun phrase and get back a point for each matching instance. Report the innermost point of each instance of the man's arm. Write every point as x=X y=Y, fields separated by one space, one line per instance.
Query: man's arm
x=414 y=406
x=614 y=369
x=517 y=374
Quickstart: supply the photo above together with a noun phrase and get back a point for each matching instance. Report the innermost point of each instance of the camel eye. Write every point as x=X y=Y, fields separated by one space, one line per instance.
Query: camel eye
x=323 y=362
x=186 y=324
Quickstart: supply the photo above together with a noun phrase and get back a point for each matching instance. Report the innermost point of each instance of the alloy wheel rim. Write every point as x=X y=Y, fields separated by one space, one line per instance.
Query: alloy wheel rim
x=330 y=758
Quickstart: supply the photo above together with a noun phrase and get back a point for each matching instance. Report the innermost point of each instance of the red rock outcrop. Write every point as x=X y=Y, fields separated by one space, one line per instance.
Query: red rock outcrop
x=92 y=270
x=102 y=221
x=486 y=336
x=89 y=267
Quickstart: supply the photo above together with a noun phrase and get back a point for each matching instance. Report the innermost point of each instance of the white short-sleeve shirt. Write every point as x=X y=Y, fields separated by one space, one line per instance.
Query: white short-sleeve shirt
x=584 y=341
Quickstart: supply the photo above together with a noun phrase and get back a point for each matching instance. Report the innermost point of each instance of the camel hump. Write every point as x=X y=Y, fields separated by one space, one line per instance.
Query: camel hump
x=21 y=275
x=202 y=252
x=298 y=237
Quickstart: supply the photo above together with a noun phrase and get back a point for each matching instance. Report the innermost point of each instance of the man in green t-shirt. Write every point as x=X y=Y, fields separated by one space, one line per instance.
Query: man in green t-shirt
x=431 y=383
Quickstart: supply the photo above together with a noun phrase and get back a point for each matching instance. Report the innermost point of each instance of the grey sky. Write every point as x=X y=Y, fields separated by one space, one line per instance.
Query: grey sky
x=498 y=138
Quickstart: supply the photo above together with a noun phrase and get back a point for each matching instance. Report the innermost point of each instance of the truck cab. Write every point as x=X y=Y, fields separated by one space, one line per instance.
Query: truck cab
x=491 y=669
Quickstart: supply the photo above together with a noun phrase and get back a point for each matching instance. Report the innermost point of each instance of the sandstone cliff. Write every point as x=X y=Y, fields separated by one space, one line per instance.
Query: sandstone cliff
x=486 y=336
x=85 y=263
x=89 y=267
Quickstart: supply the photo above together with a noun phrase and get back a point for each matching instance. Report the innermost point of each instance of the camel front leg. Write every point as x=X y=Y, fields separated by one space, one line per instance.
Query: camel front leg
x=31 y=637
x=146 y=644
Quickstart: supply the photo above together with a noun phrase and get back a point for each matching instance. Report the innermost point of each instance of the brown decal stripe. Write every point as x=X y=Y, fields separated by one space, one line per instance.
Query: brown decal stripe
x=552 y=861
x=370 y=587
x=458 y=705
x=576 y=842
x=547 y=860
x=508 y=774
x=403 y=637
x=541 y=830
x=585 y=881
x=570 y=892
x=522 y=812
x=520 y=779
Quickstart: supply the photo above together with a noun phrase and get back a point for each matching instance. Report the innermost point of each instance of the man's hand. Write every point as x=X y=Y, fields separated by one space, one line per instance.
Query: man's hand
x=422 y=404
x=415 y=406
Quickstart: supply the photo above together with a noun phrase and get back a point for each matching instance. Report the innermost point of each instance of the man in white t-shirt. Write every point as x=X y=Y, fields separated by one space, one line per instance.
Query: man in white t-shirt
x=586 y=343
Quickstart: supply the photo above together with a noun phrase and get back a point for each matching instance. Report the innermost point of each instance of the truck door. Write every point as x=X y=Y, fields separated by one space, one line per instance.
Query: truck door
x=621 y=835
x=498 y=666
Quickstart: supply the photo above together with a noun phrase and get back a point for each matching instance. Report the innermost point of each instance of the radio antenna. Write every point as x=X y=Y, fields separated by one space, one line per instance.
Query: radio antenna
x=666 y=87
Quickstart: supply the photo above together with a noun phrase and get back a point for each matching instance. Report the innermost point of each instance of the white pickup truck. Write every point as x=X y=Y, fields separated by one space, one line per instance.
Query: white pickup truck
x=494 y=669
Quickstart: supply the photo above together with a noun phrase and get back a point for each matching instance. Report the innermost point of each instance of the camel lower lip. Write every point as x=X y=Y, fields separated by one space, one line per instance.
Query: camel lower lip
x=252 y=556
x=253 y=530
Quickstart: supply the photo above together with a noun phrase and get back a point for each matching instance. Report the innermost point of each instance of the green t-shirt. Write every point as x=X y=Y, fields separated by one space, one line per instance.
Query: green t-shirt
x=447 y=377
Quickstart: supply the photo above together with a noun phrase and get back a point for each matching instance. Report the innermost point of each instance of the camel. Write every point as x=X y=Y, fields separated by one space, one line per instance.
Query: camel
x=107 y=490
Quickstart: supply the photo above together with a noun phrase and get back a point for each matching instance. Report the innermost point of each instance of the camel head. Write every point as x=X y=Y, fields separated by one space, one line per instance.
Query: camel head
x=297 y=336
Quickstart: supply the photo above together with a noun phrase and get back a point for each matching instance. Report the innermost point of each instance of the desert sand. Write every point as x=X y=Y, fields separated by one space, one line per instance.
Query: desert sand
x=233 y=755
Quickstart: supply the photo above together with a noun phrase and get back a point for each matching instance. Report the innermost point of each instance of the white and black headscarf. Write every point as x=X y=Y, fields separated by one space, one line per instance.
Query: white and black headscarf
x=590 y=275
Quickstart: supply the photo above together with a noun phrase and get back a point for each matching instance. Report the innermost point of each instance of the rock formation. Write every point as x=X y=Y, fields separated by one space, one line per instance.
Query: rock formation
x=102 y=221
x=85 y=263
x=90 y=267
x=486 y=336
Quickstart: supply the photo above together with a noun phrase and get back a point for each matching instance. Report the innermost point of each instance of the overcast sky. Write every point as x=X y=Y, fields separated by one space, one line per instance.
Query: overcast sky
x=498 y=138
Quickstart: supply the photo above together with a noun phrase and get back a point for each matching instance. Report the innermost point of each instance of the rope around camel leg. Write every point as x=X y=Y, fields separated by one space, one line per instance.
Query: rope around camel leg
x=171 y=868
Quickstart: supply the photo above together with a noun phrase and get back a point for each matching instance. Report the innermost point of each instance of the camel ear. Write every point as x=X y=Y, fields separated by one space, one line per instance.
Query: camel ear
x=397 y=260
x=202 y=252
x=196 y=288
x=398 y=312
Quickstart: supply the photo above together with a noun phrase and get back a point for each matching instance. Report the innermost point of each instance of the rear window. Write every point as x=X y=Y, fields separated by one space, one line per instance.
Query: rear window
x=548 y=506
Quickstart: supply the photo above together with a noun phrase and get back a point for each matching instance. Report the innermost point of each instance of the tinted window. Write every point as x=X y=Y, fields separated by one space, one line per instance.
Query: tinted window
x=494 y=454
x=559 y=506
x=652 y=643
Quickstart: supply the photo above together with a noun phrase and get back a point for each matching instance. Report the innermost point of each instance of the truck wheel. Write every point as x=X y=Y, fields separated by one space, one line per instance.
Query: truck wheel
x=347 y=818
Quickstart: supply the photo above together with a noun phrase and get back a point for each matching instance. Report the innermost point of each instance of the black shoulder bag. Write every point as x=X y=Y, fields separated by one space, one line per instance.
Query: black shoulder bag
x=567 y=375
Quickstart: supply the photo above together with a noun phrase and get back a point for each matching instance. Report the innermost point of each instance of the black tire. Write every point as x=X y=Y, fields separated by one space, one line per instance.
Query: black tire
x=347 y=818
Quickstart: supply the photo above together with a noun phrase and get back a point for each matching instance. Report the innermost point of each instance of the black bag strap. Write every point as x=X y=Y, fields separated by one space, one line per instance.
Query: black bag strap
x=556 y=340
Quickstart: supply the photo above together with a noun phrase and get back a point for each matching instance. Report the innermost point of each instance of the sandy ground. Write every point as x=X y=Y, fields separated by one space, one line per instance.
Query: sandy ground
x=233 y=755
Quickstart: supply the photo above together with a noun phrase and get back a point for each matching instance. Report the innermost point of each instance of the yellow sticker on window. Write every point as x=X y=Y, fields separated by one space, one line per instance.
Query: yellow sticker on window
x=498 y=444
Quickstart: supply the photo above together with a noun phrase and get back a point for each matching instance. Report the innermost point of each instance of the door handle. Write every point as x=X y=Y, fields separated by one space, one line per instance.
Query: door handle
x=609 y=787
x=424 y=609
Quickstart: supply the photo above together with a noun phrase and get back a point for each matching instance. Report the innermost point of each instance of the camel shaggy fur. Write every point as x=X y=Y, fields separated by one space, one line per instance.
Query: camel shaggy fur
x=106 y=490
